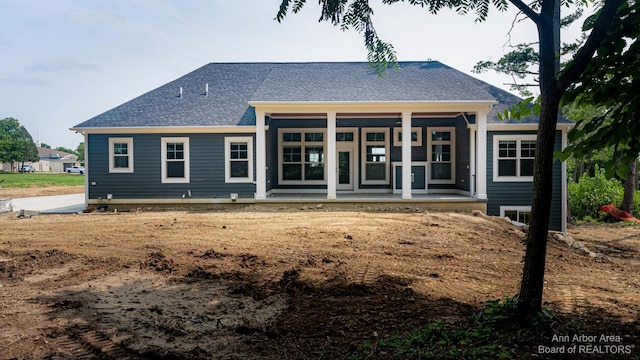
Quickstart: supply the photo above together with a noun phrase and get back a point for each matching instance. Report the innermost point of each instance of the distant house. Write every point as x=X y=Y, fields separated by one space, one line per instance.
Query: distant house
x=333 y=132
x=54 y=160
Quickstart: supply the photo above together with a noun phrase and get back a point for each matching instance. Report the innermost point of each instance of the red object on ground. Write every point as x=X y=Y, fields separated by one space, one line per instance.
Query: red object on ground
x=617 y=213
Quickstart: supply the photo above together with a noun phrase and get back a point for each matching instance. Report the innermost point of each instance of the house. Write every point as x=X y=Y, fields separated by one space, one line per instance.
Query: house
x=260 y=132
x=54 y=160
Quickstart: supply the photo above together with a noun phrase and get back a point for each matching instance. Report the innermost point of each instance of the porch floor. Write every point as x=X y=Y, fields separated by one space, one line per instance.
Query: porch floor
x=438 y=201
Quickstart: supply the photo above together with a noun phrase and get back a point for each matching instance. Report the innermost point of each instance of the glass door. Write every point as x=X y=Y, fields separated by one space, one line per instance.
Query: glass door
x=345 y=169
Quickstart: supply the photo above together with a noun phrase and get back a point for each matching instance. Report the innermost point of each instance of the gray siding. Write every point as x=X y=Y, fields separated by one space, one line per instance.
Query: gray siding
x=519 y=193
x=207 y=176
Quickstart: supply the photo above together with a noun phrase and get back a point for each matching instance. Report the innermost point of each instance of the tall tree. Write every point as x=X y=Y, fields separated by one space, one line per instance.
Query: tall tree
x=80 y=152
x=604 y=98
x=16 y=144
x=611 y=81
x=545 y=14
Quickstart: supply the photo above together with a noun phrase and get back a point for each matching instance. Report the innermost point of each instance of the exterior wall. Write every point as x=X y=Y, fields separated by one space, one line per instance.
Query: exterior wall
x=519 y=193
x=418 y=153
x=207 y=169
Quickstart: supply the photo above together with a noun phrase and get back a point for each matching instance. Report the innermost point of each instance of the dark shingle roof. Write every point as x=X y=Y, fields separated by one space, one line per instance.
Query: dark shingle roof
x=233 y=85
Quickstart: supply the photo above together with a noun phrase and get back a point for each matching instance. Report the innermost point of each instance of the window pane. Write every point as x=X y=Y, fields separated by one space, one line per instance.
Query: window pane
x=376 y=153
x=291 y=137
x=375 y=171
x=175 y=151
x=440 y=171
x=414 y=136
x=528 y=148
x=314 y=154
x=524 y=217
x=317 y=137
x=441 y=136
x=291 y=172
x=239 y=169
x=120 y=149
x=314 y=171
x=175 y=169
x=292 y=154
x=440 y=153
x=506 y=168
x=507 y=149
x=375 y=136
x=121 y=162
x=239 y=150
x=344 y=136
x=511 y=214
x=526 y=167
x=344 y=167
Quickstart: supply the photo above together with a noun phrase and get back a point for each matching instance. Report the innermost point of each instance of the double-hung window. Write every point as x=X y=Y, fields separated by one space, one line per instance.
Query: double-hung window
x=441 y=155
x=175 y=160
x=513 y=157
x=238 y=154
x=302 y=156
x=375 y=156
x=120 y=155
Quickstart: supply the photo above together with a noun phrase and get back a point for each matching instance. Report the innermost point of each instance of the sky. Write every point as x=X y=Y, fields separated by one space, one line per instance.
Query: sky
x=65 y=61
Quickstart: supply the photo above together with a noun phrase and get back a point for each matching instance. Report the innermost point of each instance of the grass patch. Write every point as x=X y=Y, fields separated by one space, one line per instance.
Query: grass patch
x=492 y=333
x=18 y=180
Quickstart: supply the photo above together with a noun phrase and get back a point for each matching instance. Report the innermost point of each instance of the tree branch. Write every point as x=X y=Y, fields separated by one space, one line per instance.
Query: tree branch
x=534 y=16
x=584 y=55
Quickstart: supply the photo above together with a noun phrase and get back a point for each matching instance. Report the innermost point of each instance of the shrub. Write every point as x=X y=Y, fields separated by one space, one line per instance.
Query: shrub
x=586 y=196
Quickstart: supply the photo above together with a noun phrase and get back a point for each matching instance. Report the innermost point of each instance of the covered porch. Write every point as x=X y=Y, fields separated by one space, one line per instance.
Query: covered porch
x=391 y=170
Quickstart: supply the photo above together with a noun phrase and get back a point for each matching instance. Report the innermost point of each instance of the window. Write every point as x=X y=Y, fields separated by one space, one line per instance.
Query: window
x=513 y=157
x=345 y=136
x=301 y=157
x=120 y=155
x=416 y=136
x=516 y=213
x=238 y=155
x=175 y=160
x=375 y=153
x=441 y=155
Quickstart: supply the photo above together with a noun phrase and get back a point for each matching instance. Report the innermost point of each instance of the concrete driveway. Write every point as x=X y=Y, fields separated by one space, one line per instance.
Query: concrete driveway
x=57 y=204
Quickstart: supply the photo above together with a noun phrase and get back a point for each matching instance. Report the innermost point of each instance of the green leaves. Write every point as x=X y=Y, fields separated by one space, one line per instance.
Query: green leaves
x=357 y=15
x=16 y=143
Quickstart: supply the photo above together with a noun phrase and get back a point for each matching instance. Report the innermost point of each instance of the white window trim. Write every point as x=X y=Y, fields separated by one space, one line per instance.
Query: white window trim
x=120 y=140
x=452 y=143
x=302 y=144
x=398 y=130
x=504 y=209
x=227 y=159
x=496 y=146
x=363 y=155
x=187 y=172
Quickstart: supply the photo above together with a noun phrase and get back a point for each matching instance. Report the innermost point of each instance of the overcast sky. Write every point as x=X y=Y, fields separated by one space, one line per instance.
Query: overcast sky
x=65 y=61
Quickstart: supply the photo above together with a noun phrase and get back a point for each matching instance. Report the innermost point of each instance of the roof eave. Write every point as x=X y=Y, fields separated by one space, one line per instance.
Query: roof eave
x=373 y=106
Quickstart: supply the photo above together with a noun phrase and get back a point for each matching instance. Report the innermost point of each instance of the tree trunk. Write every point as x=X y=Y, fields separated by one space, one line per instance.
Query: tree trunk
x=531 y=287
x=630 y=187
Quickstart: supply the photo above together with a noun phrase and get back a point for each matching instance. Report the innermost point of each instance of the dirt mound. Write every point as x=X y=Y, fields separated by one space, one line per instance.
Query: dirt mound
x=271 y=285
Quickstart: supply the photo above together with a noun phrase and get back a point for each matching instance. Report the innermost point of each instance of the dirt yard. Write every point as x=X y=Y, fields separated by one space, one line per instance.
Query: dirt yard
x=258 y=283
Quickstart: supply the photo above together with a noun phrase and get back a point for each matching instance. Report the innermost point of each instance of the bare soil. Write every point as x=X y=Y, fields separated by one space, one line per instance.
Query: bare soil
x=259 y=283
x=14 y=193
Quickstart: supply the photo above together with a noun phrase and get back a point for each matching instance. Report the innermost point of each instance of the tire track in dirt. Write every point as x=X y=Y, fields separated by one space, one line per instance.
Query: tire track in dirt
x=365 y=274
x=86 y=343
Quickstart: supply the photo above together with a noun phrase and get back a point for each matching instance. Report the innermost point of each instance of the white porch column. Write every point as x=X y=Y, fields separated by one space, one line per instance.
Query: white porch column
x=481 y=146
x=331 y=156
x=261 y=156
x=406 y=155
